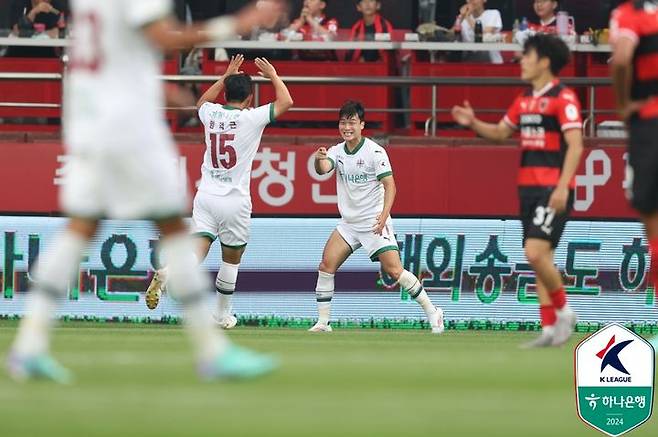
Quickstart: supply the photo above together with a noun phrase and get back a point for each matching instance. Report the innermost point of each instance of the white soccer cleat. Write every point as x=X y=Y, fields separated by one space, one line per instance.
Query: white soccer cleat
x=320 y=327
x=564 y=326
x=154 y=292
x=227 y=322
x=436 y=321
x=544 y=340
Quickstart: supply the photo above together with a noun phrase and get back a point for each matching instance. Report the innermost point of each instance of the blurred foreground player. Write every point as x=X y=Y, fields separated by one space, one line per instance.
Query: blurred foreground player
x=123 y=167
x=634 y=69
x=366 y=192
x=548 y=116
x=222 y=205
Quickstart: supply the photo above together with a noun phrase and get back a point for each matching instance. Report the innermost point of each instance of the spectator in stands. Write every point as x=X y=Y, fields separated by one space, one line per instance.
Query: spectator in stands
x=366 y=28
x=314 y=25
x=469 y=14
x=545 y=10
x=35 y=18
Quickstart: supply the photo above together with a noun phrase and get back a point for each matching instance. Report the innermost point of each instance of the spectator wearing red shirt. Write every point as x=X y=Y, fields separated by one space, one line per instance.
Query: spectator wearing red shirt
x=366 y=28
x=312 y=22
x=545 y=10
x=315 y=26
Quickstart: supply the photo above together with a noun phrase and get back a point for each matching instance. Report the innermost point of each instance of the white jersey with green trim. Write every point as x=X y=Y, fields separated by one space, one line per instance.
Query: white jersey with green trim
x=112 y=94
x=358 y=181
x=232 y=139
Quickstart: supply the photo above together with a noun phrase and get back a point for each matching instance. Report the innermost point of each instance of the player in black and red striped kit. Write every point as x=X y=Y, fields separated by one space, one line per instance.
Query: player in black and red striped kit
x=634 y=69
x=548 y=117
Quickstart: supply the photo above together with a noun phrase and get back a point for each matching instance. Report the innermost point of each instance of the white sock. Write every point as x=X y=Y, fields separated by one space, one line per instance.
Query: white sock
x=188 y=285
x=225 y=286
x=324 y=292
x=412 y=285
x=565 y=310
x=54 y=271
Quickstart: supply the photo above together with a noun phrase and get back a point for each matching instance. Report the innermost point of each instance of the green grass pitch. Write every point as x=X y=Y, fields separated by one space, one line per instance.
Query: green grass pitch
x=139 y=380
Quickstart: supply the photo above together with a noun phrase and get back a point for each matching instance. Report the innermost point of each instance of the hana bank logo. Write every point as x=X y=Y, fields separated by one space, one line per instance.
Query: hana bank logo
x=615 y=379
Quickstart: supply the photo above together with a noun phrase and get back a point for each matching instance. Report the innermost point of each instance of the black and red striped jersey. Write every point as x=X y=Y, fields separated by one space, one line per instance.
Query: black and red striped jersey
x=638 y=20
x=542 y=118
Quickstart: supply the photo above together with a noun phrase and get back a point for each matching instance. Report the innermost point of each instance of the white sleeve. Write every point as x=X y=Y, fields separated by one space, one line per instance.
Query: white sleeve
x=139 y=13
x=204 y=112
x=263 y=115
x=494 y=20
x=382 y=163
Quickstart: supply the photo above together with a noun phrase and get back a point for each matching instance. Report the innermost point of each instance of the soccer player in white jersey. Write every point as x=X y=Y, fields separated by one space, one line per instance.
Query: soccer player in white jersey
x=123 y=166
x=222 y=206
x=366 y=191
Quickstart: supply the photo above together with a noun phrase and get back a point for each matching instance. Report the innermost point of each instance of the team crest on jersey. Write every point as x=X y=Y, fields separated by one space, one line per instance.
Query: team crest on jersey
x=543 y=104
x=360 y=163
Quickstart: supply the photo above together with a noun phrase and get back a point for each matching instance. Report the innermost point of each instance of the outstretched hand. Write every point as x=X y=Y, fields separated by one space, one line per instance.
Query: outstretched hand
x=234 y=65
x=267 y=70
x=463 y=115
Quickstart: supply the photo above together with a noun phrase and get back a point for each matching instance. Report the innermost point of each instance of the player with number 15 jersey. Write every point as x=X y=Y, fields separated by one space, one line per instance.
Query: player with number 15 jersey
x=222 y=206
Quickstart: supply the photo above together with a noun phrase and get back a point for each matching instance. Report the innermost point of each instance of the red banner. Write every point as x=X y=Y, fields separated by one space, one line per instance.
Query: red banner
x=431 y=181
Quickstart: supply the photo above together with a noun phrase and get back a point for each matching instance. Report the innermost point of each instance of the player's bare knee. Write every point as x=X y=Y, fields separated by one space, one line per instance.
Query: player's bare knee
x=394 y=272
x=327 y=267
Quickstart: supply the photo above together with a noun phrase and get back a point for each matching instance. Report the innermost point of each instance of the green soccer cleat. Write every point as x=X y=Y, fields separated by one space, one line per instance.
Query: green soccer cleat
x=37 y=367
x=237 y=363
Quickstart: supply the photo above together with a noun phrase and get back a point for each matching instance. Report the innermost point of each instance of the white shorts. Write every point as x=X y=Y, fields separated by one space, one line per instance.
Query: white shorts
x=374 y=244
x=226 y=217
x=124 y=181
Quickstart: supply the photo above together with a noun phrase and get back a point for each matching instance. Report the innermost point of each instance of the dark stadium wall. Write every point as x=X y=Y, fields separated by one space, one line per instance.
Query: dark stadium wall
x=4 y=16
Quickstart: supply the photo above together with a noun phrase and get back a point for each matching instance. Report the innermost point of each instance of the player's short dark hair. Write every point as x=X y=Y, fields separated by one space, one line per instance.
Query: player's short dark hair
x=359 y=1
x=551 y=47
x=352 y=108
x=238 y=87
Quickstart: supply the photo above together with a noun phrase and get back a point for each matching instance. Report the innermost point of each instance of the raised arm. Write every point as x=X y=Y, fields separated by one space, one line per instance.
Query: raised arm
x=465 y=116
x=283 y=100
x=169 y=34
x=211 y=93
x=323 y=164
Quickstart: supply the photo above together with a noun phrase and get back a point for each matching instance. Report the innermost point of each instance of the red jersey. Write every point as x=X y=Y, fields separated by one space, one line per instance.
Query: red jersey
x=328 y=23
x=544 y=28
x=543 y=117
x=638 y=20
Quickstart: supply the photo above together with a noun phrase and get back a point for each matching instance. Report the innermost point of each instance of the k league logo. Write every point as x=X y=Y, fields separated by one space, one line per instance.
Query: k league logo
x=615 y=371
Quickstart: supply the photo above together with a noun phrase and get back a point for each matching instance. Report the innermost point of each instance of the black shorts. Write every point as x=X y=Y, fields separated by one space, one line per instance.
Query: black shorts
x=643 y=160
x=537 y=220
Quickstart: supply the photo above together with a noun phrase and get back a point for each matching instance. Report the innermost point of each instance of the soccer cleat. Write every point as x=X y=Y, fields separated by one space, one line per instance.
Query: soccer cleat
x=320 y=327
x=154 y=292
x=227 y=322
x=37 y=367
x=564 y=326
x=436 y=321
x=544 y=340
x=237 y=363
